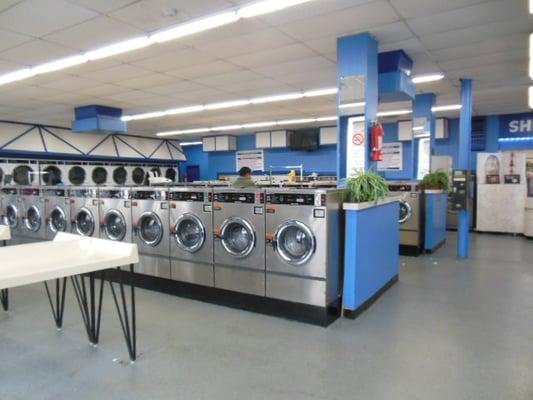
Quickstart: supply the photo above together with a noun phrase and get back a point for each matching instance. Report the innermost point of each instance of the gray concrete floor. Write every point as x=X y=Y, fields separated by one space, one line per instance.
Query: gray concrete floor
x=448 y=330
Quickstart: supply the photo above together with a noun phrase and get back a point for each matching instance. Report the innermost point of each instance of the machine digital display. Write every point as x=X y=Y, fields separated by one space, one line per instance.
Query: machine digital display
x=55 y=192
x=148 y=195
x=82 y=193
x=291 y=198
x=9 y=191
x=113 y=194
x=248 y=198
x=187 y=196
x=29 y=192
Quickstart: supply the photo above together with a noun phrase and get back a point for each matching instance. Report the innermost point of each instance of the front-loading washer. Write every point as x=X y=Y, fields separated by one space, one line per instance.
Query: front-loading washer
x=33 y=221
x=57 y=210
x=239 y=245
x=84 y=211
x=303 y=245
x=410 y=218
x=12 y=213
x=191 y=236
x=115 y=214
x=150 y=219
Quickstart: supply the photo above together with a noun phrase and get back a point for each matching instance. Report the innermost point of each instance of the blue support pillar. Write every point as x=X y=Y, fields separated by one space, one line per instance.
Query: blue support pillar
x=422 y=105
x=357 y=56
x=463 y=162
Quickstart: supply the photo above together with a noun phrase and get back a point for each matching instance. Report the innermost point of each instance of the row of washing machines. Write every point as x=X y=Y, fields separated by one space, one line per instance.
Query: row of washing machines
x=35 y=173
x=279 y=243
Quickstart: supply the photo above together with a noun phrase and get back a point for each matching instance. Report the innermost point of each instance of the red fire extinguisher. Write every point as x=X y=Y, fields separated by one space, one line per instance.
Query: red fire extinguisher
x=376 y=141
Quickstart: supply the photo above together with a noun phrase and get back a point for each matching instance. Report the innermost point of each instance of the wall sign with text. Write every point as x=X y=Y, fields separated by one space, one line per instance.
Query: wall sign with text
x=392 y=157
x=253 y=159
x=516 y=125
x=355 y=146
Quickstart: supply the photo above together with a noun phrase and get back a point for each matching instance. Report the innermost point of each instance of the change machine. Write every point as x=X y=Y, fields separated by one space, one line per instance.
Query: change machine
x=460 y=190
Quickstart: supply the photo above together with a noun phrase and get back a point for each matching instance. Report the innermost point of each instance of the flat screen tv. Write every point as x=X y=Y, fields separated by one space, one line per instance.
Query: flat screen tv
x=305 y=139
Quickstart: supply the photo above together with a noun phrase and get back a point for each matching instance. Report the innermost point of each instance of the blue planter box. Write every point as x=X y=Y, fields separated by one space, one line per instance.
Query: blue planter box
x=372 y=259
x=436 y=210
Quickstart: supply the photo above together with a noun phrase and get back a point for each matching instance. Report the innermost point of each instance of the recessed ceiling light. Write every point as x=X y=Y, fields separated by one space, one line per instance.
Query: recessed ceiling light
x=353 y=105
x=60 y=64
x=393 y=113
x=428 y=78
x=118 y=48
x=183 y=144
x=450 y=107
x=16 y=75
x=266 y=7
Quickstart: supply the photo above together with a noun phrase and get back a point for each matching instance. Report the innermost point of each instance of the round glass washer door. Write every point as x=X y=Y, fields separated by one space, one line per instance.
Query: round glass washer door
x=115 y=225
x=189 y=233
x=57 y=221
x=150 y=229
x=295 y=242
x=84 y=222
x=33 y=219
x=406 y=211
x=12 y=216
x=238 y=237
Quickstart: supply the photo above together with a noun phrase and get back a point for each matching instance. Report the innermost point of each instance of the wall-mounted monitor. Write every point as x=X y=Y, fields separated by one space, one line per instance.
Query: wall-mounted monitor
x=305 y=139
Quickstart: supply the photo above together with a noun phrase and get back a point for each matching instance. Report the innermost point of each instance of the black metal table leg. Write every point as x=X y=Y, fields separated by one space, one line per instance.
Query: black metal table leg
x=90 y=305
x=59 y=307
x=127 y=320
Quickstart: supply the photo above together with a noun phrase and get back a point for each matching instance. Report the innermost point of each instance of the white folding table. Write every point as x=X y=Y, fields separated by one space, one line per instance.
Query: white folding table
x=78 y=258
x=5 y=235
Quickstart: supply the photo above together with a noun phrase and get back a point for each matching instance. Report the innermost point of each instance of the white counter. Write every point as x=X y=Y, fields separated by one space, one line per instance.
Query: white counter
x=5 y=232
x=66 y=255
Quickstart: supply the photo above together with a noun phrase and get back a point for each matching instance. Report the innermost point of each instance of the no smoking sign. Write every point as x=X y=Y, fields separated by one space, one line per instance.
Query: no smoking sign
x=358 y=139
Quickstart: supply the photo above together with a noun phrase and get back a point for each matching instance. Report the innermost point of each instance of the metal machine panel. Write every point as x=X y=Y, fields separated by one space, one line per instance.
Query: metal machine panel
x=290 y=288
x=57 y=211
x=242 y=280
x=150 y=218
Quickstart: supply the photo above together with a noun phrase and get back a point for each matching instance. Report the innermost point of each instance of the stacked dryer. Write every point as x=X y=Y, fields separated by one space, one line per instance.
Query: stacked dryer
x=84 y=211
x=191 y=240
x=303 y=252
x=239 y=247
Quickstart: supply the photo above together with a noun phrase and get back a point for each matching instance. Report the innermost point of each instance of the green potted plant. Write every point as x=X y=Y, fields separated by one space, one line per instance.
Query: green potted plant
x=437 y=180
x=365 y=186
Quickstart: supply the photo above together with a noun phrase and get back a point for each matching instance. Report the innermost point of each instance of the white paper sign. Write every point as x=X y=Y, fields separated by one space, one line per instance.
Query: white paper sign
x=392 y=157
x=356 y=146
x=253 y=159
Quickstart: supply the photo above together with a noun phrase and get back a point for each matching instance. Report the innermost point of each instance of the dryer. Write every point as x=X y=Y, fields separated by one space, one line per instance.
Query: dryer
x=410 y=218
x=191 y=237
x=99 y=174
x=51 y=173
x=12 y=213
x=171 y=173
x=115 y=214
x=119 y=175
x=21 y=173
x=150 y=219
x=136 y=175
x=84 y=211
x=239 y=245
x=76 y=174
x=33 y=221
x=57 y=210
x=303 y=251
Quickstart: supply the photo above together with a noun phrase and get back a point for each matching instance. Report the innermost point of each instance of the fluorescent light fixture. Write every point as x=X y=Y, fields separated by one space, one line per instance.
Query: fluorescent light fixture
x=60 y=64
x=273 y=99
x=393 y=113
x=418 y=128
x=232 y=103
x=16 y=75
x=450 y=107
x=321 y=92
x=190 y=28
x=353 y=105
x=530 y=53
x=259 y=124
x=182 y=144
x=530 y=97
x=531 y=7
x=227 y=104
x=266 y=7
x=249 y=125
x=428 y=78
x=118 y=48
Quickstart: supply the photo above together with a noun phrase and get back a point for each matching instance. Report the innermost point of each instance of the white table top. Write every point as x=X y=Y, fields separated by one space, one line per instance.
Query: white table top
x=66 y=255
x=5 y=232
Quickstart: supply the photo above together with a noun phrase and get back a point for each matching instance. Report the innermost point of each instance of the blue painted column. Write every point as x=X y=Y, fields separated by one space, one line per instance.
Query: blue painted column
x=356 y=56
x=463 y=162
x=422 y=105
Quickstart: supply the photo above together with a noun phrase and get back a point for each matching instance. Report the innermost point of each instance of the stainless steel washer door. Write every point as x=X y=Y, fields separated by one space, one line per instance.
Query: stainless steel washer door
x=237 y=237
x=32 y=222
x=84 y=222
x=150 y=229
x=406 y=212
x=115 y=225
x=295 y=242
x=57 y=220
x=12 y=216
x=189 y=233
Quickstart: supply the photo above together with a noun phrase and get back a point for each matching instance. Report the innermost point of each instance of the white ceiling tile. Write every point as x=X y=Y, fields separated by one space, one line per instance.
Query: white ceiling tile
x=205 y=70
x=41 y=17
x=5 y=4
x=302 y=67
x=147 y=81
x=113 y=74
x=173 y=61
x=228 y=78
x=71 y=84
x=11 y=39
x=175 y=88
x=149 y=14
x=103 y=6
x=417 y=8
x=513 y=56
x=95 y=33
x=273 y=56
x=36 y=51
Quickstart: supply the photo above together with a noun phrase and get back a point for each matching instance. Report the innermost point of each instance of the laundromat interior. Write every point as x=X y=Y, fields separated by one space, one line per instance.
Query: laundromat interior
x=266 y=199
